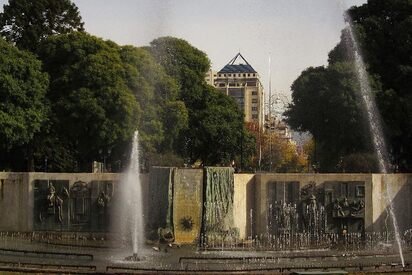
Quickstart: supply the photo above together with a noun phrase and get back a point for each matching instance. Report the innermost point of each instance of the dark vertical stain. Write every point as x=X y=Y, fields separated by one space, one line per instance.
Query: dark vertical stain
x=2 y=189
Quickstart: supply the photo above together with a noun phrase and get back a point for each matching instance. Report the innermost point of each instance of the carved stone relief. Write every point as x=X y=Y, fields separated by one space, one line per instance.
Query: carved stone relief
x=329 y=207
x=80 y=205
x=51 y=205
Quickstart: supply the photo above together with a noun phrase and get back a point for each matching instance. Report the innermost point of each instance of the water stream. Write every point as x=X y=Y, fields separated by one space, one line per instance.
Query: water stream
x=375 y=124
x=132 y=206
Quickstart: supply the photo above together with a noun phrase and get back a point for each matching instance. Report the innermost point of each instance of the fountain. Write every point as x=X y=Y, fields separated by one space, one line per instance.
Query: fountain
x=132 y=224
x=375 y=125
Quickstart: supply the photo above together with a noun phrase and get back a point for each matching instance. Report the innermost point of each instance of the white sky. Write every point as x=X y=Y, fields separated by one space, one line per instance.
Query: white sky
x=297 y=33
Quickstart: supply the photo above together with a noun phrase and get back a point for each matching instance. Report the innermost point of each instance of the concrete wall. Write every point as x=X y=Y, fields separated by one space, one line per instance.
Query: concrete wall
x=251 y=195
x=396 y=188
x=14 y=202
x=243 y=202
x=17 y=195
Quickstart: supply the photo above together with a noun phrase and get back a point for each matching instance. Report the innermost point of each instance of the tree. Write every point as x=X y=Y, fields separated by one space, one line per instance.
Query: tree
x=101 y=93
x=185 y=63
x=384 y=31
x=326 y=103
x=163 y=116
x=215 y=132
x=94 y=113
x=23 y=86
x=27 y=23
x=276 y=153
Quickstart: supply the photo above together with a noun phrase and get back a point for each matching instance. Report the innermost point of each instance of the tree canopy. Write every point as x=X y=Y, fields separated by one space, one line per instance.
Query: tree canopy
x=100 y=92
x=326 y=100
x=163 y=115
x=23 y=87
x=278 y=154
x=216 y=133
x=384 y=30
x=26 y=23
x=327 y=104
x=93 y=110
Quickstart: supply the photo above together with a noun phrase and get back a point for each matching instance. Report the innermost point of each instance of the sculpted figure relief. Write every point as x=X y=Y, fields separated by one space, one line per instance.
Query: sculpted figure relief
x=102 y=202
x=53 y=205
x=344 y=208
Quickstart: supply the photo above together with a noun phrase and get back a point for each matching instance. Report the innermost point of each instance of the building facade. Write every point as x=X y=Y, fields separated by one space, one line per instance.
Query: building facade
x=240 y=81
x=211 y=77
x=278 y=126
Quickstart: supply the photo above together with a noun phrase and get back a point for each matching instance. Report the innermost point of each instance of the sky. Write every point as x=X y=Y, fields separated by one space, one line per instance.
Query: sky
x=296 y=34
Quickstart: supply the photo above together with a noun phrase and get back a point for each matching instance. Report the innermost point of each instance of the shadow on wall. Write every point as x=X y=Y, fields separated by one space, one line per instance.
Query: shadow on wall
x=401 y=188
x=250 y=203
x=13 y=200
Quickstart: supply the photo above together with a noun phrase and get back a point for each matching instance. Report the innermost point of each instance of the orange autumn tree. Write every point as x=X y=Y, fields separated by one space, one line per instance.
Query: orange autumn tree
x=277 y=154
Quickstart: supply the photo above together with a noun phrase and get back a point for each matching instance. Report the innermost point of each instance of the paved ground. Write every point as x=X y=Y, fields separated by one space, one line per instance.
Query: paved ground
x=98 y=256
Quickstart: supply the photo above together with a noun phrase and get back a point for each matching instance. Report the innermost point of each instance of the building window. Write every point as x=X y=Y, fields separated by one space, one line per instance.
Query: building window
x=254 y=109
x=229 y=74
x=254 y=116
x=253 y=74
x=244 y=75
x=221 y=84
x=220 y=75
x=254 y=92
x=248 y=74
x=254 y=101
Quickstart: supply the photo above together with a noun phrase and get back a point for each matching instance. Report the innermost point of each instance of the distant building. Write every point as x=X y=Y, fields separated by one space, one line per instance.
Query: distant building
x=240 y=81
x=211 y=77
x=278 y=126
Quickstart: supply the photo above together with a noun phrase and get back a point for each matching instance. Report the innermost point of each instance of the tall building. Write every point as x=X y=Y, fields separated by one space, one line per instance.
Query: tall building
x=239 y=80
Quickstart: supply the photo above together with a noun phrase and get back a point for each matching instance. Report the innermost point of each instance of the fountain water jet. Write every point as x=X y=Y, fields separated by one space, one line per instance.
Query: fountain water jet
x=132 y=206
x=375 y=125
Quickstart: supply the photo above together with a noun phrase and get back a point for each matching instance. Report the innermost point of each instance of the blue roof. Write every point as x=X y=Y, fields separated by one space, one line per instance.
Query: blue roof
x=241 y=68
x=231 y=67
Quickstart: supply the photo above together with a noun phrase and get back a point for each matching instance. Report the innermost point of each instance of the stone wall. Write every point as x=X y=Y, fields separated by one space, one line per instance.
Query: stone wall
x=22 y=196
x=14 y=202
x=400 y=192
x=253 y=193
x=264 y=192
x=244 y=201
x=375 y=198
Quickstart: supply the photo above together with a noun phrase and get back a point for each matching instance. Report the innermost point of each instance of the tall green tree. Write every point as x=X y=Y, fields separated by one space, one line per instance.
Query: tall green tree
x=384 y=31
x=326 y=102
x=185 y=63
x=94 y=113
x=23 y=87
x=215 y=130
x=163 y=116
x=26 y=22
